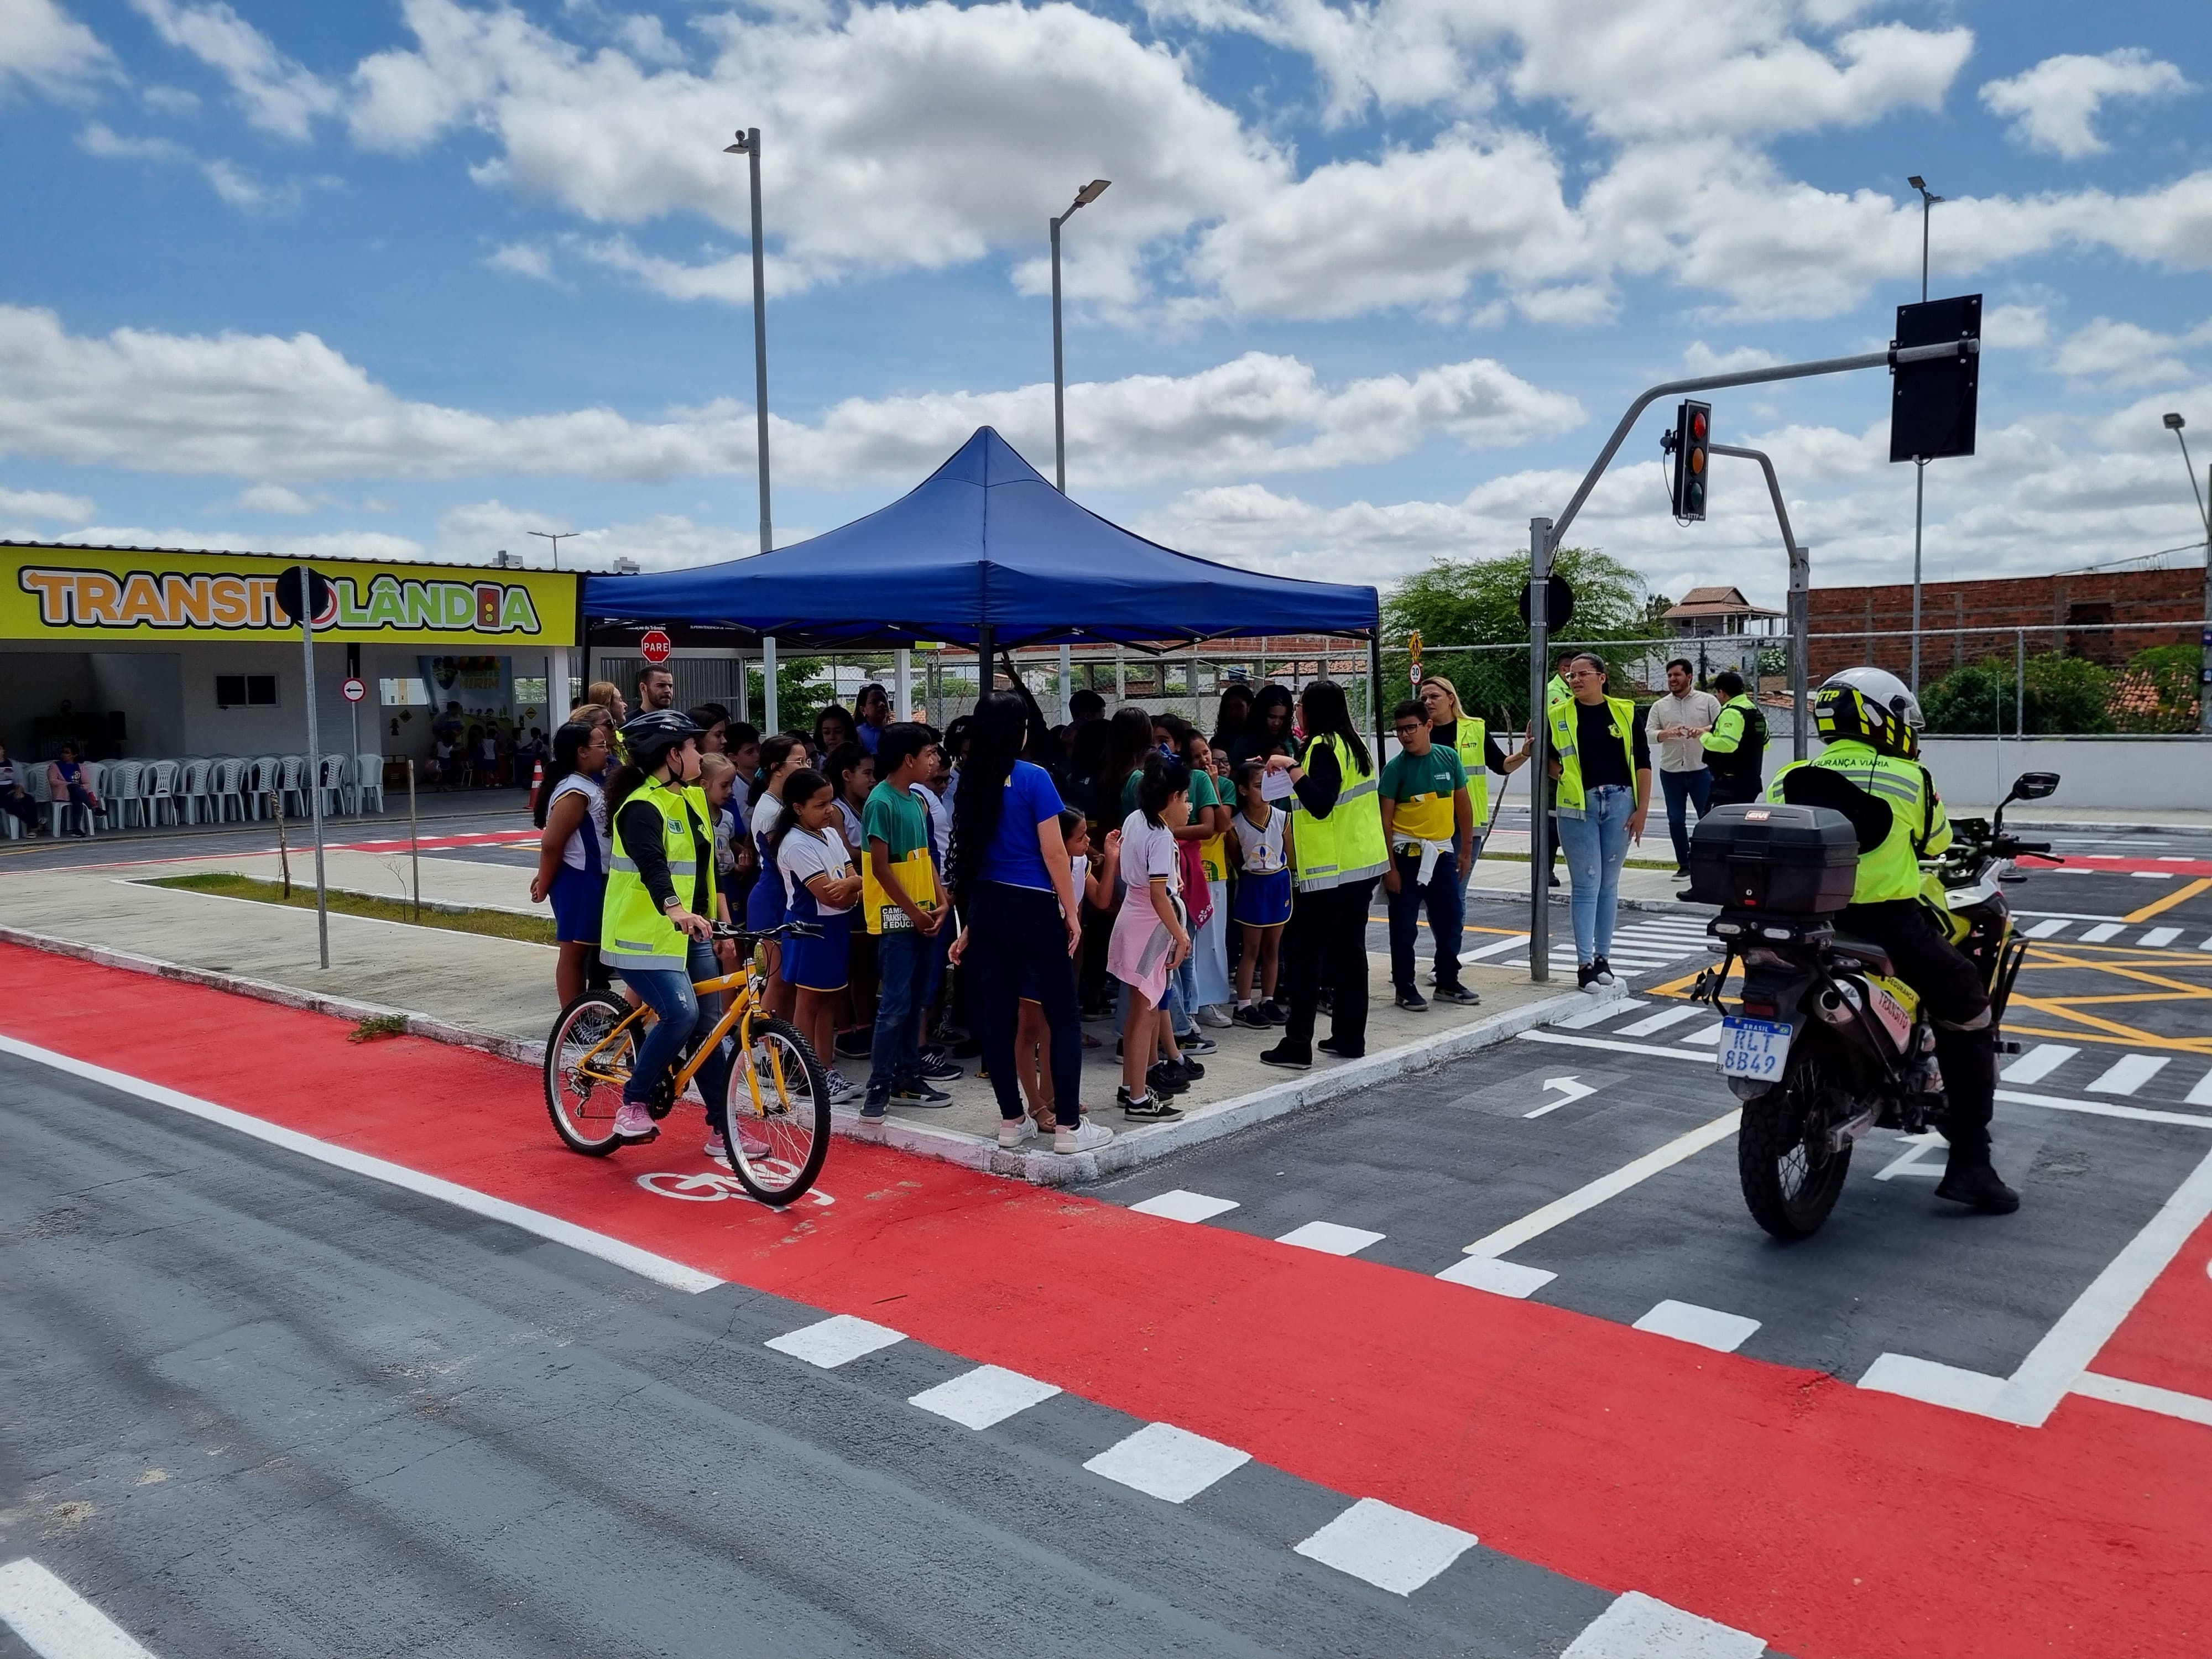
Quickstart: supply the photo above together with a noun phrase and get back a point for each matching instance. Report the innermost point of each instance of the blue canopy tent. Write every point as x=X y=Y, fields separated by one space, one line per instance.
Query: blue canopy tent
x=984 y=553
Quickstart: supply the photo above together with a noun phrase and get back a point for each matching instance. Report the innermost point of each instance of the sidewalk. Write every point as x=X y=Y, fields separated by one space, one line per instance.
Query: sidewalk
x=498 y=994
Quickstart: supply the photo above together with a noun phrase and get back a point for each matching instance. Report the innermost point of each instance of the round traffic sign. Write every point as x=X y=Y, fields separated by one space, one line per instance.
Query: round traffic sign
x=354 y=691
x=655 y=647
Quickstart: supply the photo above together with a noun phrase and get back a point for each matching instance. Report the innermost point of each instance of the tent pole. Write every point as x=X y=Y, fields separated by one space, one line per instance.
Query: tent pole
x=1375 y=691
x=982 y=662
x=1066 y=683
x=1120 y=675
x=770 y=723
x=903 y=684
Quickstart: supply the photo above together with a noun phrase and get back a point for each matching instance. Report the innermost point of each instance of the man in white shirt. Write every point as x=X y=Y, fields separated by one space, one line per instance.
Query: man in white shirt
x=1675 y=725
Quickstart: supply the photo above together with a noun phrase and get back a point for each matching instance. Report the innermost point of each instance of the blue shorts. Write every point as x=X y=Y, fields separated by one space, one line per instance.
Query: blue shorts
x=1032 y=988
x=820 y=964
x=764 y=905
x=1262 y=901
x=578 y=896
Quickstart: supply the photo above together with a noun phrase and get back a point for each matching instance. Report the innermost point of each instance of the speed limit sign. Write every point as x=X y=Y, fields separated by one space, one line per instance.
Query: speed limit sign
x=354 y=691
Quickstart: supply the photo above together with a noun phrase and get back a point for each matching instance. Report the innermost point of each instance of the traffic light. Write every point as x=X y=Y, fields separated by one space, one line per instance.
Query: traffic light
x=1932 y=405
x=1693 y=427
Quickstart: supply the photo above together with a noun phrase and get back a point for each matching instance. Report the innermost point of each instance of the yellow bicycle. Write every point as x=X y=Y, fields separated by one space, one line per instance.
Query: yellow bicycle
x=778 y=1092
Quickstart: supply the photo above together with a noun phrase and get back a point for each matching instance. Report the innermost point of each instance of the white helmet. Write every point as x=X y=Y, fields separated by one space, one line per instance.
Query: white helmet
x=1887 y=693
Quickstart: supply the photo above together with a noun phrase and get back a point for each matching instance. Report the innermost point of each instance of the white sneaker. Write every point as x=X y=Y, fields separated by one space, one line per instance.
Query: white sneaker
x=1215 y=1015
x=1012 y=1131
x=1086 y=1138
x=841 y=1088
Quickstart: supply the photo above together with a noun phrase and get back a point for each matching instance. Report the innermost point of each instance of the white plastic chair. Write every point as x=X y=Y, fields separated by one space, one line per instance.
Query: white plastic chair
x=368 y=780
x=226 y=789
x=58 y=810
x=335 y=784
x=192 y=789
x=291 y=778
x=157 y=786
x=120 y=801
x=263 y=775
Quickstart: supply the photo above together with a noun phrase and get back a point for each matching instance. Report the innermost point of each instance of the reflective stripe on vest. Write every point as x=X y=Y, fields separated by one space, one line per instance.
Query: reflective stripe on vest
x=1470 y=750
x=1566 y=726
x=633 y=931
x=1918 y=825
x=1348 y=845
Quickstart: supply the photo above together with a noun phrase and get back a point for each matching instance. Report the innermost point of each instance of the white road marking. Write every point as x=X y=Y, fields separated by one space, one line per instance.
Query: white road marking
x=1640 y=1626
x=1487 y=1272
x=1909 y=1162
x=832 y=1341
x=1651 y=1024
x=2064 y=915
x=1708 y=1328
x=1569 y=1091
x=2157 y=938
x=1166 y=1462
x=2039 y=1063
x=1537 y=1222
x=1608 y=1043
x=55 y=1622
x=2143 y=1397
x=2127 y=1074
x=1388 y=1547
x=2152 y=875
x=660 y=1268
x=1182 y=1206
x=988 y=1395
x=2201 y=1094
x=1330 y=1239
x=1518 y=942
x=2045 y=929
x=2100 y=933
x=2106 y=1108
x=1710 y=1037
x=1935 y=1384
x=1597 y=1014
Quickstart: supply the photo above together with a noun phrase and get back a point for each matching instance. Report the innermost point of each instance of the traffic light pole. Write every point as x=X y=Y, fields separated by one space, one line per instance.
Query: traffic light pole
x=1801 y=582
x=1544 y=536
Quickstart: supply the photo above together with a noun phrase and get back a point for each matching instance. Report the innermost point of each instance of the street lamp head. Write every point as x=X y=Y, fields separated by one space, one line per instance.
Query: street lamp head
x=2174 y=423
x=738 y=148
x=1917 y=182
x=1089 y=193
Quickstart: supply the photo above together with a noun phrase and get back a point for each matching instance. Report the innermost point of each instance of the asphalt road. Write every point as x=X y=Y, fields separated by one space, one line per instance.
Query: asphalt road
x=257 y=1406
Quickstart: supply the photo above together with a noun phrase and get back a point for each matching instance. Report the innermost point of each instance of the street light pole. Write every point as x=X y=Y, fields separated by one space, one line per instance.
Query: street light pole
x=1089 y=193
x=555 y=536
x=1928 y=201
x=749 y=146
x=2173 y=424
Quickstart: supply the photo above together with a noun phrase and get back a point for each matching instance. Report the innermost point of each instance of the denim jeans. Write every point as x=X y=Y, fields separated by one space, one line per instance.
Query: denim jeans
x=1684 y=789
x=1018 y=933
x=902 y=960
x=1444 y=896
x=1209 y=952
x=1597 y=846
x=680 y=1014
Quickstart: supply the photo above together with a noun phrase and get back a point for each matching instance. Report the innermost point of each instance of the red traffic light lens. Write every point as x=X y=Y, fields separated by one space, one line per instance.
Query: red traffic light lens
x=1696 y=423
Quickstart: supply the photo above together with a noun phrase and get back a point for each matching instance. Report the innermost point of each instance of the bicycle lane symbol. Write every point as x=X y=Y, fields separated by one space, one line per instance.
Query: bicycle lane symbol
x=710 y=1186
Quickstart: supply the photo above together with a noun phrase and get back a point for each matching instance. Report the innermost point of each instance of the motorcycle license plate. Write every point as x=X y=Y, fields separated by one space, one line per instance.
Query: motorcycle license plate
x=1753 y=1048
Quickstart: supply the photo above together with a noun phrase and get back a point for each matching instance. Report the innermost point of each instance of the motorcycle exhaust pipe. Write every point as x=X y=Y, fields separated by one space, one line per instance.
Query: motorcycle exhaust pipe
x=1832 y=1006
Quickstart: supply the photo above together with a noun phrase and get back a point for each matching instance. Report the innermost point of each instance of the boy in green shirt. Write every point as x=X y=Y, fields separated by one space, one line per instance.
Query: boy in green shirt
x=1429 y=821
x=905 y=908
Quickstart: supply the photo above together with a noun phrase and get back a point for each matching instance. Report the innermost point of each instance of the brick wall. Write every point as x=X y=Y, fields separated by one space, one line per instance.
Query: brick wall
x=2060 y=613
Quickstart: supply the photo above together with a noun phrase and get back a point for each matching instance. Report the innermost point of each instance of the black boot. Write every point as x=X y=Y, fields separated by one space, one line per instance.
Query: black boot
x=1971 y=1181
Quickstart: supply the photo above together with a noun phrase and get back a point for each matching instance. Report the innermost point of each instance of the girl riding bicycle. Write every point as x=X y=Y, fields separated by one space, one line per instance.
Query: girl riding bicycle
x=657 y=928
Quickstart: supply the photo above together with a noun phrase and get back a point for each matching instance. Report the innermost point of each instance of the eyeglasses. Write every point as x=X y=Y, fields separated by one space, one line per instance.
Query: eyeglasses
x=1583 y=674
x=1409 y=729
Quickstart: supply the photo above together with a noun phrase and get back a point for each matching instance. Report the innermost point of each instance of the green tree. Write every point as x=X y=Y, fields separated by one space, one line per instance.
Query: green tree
x=1460 y=602
x=2159 y=690
x=2068 y=694
x=801 y=691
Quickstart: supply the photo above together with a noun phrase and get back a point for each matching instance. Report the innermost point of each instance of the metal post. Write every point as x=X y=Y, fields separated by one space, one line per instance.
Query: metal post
x=983 y=654
x=2204 y=667
x=1540 y=533
x=414 y=839
x=769 y=724
x=1801 y=647
x=1374 y=693
x=760 y=351
x=2020 y=682
x=902 y=684
x=1120 y=674
x=315 y=763
x=1066 y=683
x=1058 y=377
x=1919 y=499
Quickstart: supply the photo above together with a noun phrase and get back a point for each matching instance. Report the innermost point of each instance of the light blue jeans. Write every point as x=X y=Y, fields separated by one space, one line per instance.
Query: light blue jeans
x=1597 y=846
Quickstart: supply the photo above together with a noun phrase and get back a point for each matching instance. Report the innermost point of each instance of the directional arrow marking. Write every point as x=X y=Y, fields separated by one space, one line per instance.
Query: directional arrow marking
x=1569 y=1092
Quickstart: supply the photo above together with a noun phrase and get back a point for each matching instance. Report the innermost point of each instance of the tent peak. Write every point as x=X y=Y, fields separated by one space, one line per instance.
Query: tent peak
x=990 y=460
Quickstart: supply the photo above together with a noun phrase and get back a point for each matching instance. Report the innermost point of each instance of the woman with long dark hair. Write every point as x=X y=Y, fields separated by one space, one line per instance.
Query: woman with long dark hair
x=1338 y=855
x=1268 y=733
x=1015 y=890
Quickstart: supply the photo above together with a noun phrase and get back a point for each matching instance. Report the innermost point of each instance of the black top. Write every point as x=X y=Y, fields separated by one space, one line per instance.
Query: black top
x=1445 y=735
x=639 y=823
x=1324 y=779
x=1599 y=744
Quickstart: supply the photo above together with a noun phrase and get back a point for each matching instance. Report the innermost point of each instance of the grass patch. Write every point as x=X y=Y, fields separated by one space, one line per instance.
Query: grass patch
x=492 y=924
x=378 y=1025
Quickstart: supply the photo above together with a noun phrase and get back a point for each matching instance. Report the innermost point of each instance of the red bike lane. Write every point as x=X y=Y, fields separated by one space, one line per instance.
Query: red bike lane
x=1828 y=1519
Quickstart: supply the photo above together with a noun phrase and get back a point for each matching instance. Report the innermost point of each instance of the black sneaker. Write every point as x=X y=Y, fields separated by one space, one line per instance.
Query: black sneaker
x=1250 y=1018
x=1196 y=1044
x=1166 y=1079
x=1290 y=1059
x=1151 y=1108
x=917 y=1092
x=1192 y=1071
x=1602 y=971
x=1978 y=1186
x=1276 y=1012
x=1329 y=1046
x=942 y=1069
x=872 y=1108
x=857 y=1043
x=1412 y=1000
x=1682 y=872
x=1459 y=994
x=1586 y=977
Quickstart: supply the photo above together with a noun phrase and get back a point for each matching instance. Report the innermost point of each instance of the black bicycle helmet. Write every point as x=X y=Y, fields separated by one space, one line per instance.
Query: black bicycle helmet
x=647 y=738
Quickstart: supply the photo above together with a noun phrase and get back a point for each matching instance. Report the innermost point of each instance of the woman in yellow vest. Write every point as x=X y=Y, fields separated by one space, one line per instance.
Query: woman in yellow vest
x=657 y=929
x=1337 y=856
x=1602 y=762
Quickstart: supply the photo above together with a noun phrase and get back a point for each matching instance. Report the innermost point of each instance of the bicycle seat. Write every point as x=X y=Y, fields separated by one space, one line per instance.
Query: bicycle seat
x=1863 y=951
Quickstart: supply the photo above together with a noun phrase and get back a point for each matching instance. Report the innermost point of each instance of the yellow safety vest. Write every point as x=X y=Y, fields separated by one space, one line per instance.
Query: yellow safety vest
x=1468 y=743
x=1565 y=728
x=1348 y=845
x=635 y=931
x=1917 y=828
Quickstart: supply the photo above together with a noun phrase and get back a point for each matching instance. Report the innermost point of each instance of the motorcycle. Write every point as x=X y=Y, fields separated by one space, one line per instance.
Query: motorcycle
x=1826 y=1041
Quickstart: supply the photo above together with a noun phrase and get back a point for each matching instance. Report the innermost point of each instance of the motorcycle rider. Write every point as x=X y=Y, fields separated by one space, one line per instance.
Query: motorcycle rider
x=1870 y=772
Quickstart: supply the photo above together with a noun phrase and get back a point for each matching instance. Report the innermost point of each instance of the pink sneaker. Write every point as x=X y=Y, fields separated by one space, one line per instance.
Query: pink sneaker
x=634 y=1122
x=753 y=1146
x=716 y=1147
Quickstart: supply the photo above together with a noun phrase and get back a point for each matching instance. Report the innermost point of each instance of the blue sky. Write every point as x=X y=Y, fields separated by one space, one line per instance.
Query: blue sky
x=1371 y=286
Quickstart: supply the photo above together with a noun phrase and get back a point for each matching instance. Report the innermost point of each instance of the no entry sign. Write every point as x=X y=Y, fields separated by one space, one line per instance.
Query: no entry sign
x=655 y=648
x=354 y=691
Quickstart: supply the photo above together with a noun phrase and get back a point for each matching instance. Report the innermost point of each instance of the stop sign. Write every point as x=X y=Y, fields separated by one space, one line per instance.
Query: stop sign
x=655 y=647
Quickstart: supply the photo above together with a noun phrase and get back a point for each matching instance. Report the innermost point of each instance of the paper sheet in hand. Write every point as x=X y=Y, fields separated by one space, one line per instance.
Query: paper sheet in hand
x=1275 y=786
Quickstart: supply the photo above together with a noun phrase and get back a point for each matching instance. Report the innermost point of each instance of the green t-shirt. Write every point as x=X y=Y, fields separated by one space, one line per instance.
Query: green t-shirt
x=895 y=819
x=1423 y=785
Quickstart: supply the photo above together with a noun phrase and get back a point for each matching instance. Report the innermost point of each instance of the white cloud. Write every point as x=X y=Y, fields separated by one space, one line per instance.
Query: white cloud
x=277 y=95
x=260 y=407
x=522 y=260
x=103 y=141
x=226 y=180
x=2053 y=107
x=43 y=49
x=2014 y=327
x=2123 y=353
x=1702 y=360
x=274 y=498
x=43 y=504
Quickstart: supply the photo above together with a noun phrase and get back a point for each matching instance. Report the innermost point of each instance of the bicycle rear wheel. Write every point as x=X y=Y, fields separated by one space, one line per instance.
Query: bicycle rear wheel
x=585 y=1072
x=779 y=1100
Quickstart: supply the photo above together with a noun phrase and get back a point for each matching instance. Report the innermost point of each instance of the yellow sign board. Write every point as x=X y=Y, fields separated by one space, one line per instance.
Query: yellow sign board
x=99 y=593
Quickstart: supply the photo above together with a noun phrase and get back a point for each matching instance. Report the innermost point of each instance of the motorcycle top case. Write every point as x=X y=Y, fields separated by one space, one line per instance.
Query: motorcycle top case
x=1774 y=860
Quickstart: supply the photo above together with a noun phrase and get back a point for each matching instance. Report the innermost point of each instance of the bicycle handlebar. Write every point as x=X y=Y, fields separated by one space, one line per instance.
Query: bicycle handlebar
x=781 y=929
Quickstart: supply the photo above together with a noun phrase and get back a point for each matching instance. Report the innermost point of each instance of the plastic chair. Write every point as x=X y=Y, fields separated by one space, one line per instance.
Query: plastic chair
x=368 y=780
x=58 y=810
x=120 y=801
x=334 y=784
x=291 y=780
x=263 y=774
x=226 y=789
x=157 y=790
x=192 y=789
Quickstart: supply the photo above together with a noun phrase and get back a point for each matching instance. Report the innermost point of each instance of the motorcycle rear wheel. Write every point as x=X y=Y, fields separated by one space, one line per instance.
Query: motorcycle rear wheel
x=1790 y=1179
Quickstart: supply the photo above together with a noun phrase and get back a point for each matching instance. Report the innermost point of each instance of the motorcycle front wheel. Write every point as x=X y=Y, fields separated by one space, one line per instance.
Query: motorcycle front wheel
x=1790 y=1179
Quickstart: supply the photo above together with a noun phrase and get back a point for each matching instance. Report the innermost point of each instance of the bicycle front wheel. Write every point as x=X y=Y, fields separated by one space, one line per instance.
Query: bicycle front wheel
x=586 y=1063
x=779 y=1114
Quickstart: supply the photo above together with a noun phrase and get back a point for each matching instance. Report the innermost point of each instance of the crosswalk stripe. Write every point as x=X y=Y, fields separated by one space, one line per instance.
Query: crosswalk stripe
x=2201 y=1094
x=2100 y=933
x=1598 y=1013
x=1166 y=1462
x=1710 y=1036
x=1391 y=1548
x=2159 y=936
x=2045 y=930
x=2128 y=1073
x=1662 y=1019
x=2038 y=1062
